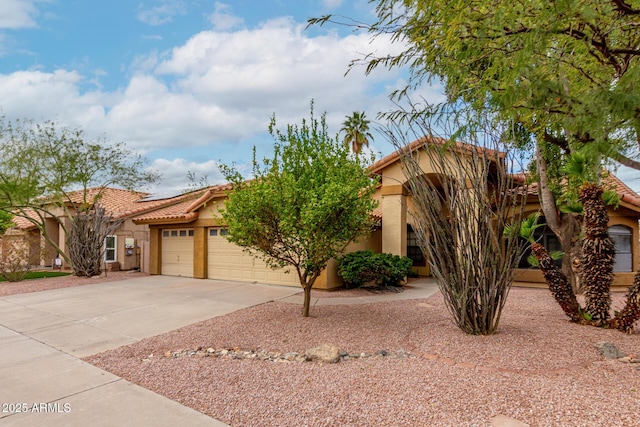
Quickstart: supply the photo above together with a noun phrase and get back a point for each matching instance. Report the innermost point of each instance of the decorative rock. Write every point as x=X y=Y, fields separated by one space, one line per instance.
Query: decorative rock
x=382 y=352
x=609 y=350
x=325 y=353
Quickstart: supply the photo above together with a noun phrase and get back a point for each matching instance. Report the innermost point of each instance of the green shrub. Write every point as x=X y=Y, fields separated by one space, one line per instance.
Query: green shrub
x=361 y=267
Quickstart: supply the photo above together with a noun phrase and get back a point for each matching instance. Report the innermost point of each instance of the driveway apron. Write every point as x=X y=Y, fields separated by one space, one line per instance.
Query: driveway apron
x=43 y=335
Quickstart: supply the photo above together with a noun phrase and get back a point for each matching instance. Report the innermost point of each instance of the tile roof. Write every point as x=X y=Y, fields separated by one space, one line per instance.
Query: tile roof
x=184 y=208
x=118 y=203
x=626 y=194
x=460 y=147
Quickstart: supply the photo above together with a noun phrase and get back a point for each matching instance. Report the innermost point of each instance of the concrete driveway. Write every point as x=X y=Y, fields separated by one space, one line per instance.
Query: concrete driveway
x=42 y=335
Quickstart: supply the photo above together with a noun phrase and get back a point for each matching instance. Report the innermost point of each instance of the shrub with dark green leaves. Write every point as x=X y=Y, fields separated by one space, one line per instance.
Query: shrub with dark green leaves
x=362 y=267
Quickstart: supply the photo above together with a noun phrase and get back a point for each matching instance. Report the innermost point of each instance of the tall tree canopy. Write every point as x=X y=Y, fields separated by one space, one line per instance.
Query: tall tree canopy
x=43 y=166
x=566 y=70
x=304 y=205
x=356 y=131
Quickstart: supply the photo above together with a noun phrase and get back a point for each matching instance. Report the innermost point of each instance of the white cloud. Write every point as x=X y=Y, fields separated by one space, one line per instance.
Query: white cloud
x=222 y=19
x=40 y=96
x=161 y=13
x=214 y=94
x=174 y=174
x=332 y=4
x=17 y=14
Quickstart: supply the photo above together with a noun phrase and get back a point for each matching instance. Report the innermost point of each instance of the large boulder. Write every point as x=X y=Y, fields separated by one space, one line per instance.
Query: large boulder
x=327 y=353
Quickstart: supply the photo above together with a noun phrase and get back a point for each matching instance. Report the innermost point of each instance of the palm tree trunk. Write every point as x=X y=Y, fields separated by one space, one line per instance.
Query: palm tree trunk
x=599 y=252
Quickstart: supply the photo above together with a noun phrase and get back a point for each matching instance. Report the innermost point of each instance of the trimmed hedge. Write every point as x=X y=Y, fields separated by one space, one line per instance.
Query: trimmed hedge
x=361 y=267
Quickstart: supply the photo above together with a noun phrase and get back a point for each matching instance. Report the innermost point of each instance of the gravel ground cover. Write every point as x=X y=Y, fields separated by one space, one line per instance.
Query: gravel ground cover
x=36 y=285
x=539 y=368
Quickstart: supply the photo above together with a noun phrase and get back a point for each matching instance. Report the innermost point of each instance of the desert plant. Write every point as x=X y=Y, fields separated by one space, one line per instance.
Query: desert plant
x=15 y=265
x=597 y=273
x=86 y=238
x=559 y=284
x=630 y=314
x=461 y=207
x=599 y=253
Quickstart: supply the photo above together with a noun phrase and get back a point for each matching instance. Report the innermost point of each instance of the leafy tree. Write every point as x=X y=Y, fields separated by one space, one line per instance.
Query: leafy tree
x=356 y=131
x=5 y=221
x=45 y=169
x=563 y=74
x=304 y=205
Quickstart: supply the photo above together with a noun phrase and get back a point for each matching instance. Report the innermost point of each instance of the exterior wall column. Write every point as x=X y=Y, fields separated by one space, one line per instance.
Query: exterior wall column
x=200 y=253
x=155 y=250
x=394 y=220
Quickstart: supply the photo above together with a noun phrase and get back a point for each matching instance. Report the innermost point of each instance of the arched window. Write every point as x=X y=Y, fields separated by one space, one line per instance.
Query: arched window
x=622 y=237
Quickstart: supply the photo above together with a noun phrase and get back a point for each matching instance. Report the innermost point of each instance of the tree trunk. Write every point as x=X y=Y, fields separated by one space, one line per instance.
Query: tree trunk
x=307 y=300
x=558 y=284
x=599 y=253
x=307 y=285
x=565 y=226
x=624 y=320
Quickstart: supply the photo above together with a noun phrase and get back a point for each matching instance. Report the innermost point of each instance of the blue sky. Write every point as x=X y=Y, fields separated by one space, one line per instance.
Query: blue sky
x=188 y=83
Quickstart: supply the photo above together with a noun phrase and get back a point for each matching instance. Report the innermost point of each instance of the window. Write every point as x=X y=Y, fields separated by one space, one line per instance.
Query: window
x=622 y=237
x=174 y=233
x=413 y=249
x=213 y=232
x=183 y=233
x=165 y=233
x=546 y=238
x=224 y=232
x=190 y=233
x=110 y=254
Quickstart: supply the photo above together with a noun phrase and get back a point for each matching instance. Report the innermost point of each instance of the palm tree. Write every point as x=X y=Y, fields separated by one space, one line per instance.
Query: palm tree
x=356 y=130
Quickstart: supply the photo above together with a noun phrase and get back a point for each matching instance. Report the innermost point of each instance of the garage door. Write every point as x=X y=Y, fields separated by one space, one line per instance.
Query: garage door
x=227 y=261
x=177 y=252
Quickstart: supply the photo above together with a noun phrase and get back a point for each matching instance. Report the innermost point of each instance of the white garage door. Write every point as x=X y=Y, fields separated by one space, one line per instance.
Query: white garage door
x=227 y=261
x=177 y=252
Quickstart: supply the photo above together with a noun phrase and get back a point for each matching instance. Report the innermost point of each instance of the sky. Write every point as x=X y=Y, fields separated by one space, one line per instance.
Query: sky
x=192 y=83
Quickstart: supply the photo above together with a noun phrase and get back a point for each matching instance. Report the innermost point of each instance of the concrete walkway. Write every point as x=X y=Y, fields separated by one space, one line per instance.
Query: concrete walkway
x=43 y=335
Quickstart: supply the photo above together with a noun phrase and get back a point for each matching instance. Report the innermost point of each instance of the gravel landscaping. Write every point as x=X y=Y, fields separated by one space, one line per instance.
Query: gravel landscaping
x=36 y=285
x=403 y=364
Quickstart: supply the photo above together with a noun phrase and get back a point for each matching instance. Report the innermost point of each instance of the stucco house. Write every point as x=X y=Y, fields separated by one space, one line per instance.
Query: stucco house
x=186 y=238
x=124 y=249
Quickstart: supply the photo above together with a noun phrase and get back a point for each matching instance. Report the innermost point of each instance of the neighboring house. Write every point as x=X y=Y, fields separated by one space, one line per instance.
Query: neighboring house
x=124 y=249
x=186 y=236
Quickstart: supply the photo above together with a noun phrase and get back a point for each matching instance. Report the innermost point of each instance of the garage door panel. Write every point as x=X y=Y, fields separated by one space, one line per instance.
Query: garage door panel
x=227 y=261
x=177 y=254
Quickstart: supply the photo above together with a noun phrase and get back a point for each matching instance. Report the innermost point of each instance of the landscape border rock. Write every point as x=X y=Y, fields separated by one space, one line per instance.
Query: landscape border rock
x=292 y=356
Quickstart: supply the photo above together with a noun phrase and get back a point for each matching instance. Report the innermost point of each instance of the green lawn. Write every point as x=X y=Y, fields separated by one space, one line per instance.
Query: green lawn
x=41 y=275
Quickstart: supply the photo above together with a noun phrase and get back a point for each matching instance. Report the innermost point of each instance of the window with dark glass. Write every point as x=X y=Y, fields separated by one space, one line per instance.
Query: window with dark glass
x=546 y=238
x=110 y=249
x=413 y=249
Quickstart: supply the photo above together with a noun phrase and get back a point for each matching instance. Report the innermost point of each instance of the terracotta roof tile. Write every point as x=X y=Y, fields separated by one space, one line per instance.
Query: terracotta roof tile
x=183 y=208
x=626 y=194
